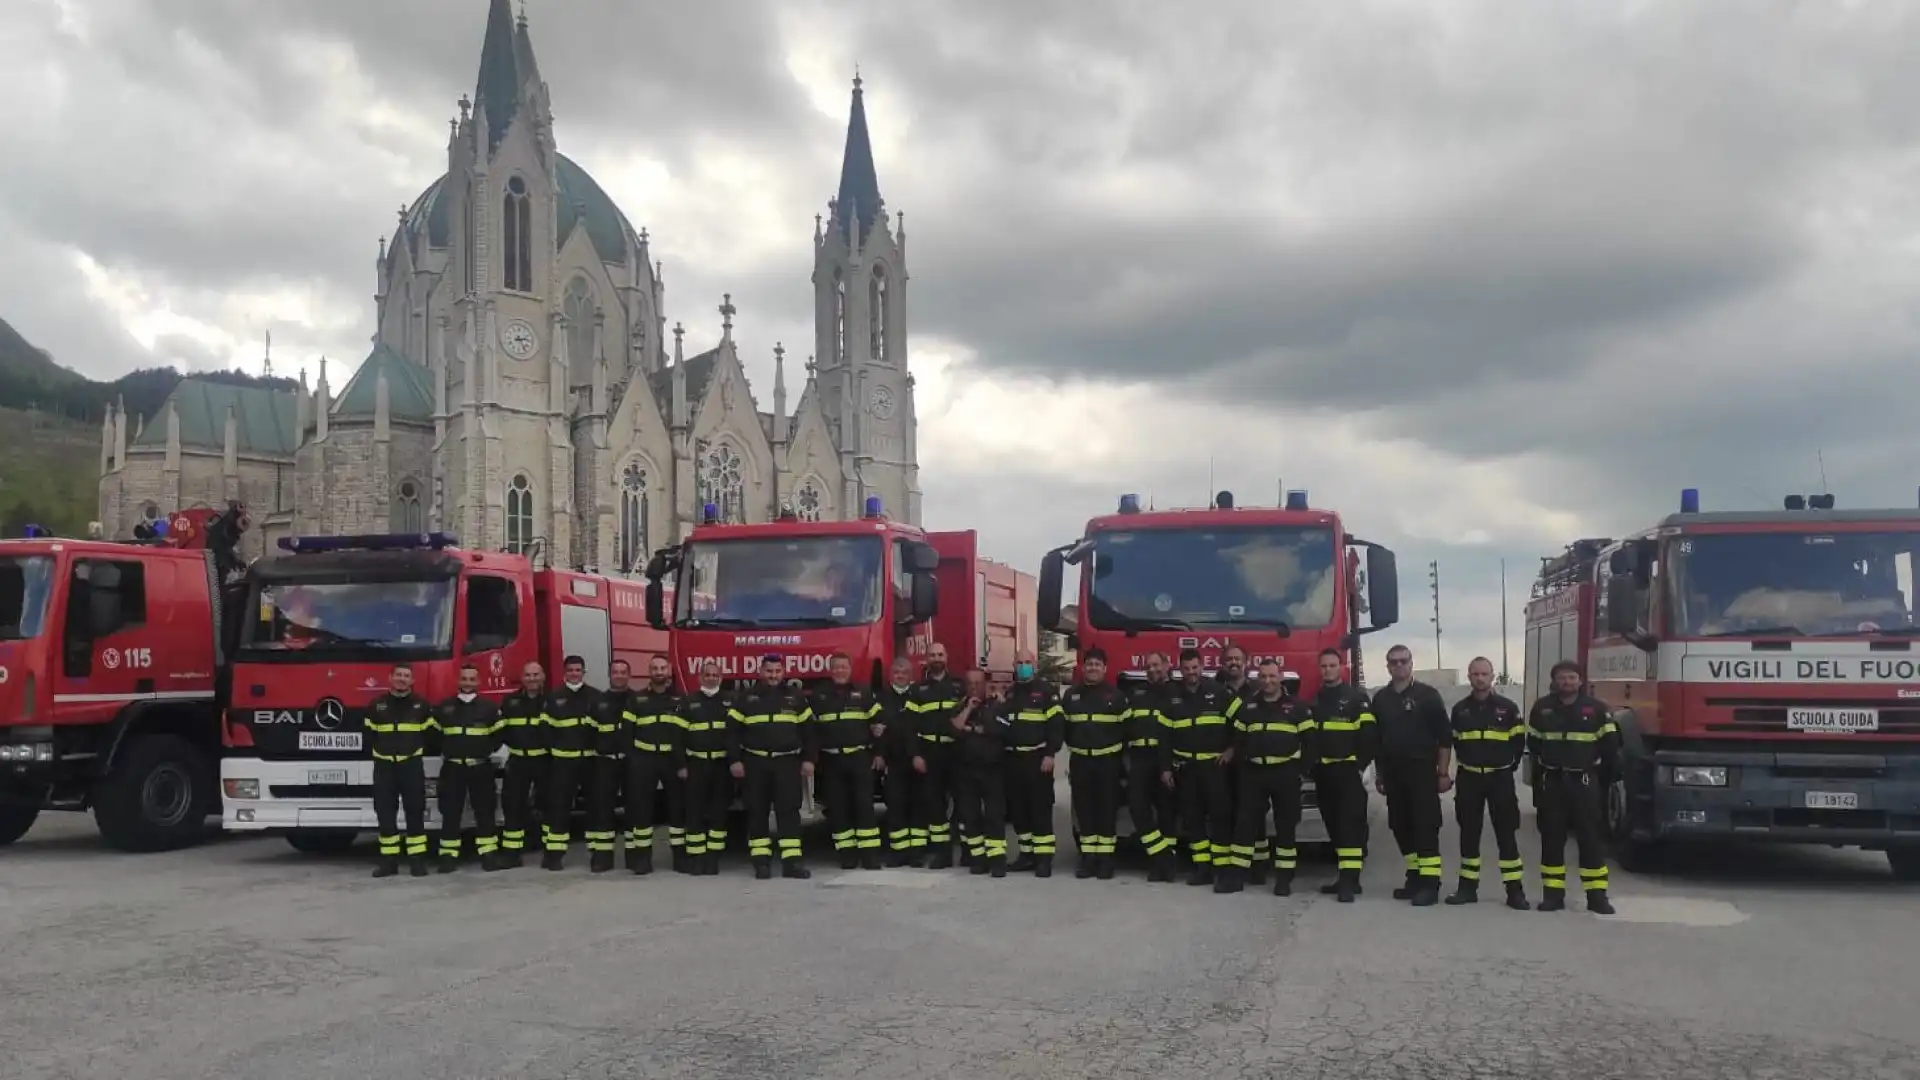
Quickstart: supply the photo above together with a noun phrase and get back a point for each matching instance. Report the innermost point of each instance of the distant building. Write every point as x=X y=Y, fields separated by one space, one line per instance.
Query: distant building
x=524 y=390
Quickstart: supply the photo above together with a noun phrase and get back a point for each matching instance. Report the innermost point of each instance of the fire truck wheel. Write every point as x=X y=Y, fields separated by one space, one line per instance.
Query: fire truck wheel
x=1905 y=863
x=1634 y=856
x=322 y=841
x=156 y=797
x=15 y=821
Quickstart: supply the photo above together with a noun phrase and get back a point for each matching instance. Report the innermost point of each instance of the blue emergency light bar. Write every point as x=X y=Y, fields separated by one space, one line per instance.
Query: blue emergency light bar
x=35 y=532
x=1297 y=499
x=710 y=513
x=873 y=506
x=1689 y=500
x=1129 y=503
x=313 y=545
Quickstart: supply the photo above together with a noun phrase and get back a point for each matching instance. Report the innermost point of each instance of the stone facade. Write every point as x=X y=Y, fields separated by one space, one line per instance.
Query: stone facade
x=525 y=391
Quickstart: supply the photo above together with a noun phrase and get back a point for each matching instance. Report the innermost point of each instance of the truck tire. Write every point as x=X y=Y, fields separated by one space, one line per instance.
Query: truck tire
x=322 y=841
x=1634 y=855
x=156 y=797
x=15 y=821
x=1905 y=863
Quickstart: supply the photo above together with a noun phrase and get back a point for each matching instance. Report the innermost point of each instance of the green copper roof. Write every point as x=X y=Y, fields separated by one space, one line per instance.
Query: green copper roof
x=409 y=394
x=582 y=202
x=265 y=418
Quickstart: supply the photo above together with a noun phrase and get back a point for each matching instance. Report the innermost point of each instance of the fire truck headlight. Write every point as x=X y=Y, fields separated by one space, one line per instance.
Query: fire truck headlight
x=241 y=789
x=24 y=752
x=1700 y=775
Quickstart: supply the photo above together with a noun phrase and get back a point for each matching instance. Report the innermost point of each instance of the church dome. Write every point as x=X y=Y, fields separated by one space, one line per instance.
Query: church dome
x=582 y=204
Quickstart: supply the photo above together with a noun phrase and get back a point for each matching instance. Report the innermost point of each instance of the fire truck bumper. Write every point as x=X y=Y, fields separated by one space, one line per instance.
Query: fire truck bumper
x=272 y=796
x=1869 y=800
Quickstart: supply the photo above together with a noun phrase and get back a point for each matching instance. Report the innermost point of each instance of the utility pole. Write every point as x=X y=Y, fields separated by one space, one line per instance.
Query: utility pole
x=1506 y=679
x=1433 y=580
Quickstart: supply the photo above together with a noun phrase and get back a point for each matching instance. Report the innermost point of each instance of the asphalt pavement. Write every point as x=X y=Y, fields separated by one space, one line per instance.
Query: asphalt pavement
x=244 y=959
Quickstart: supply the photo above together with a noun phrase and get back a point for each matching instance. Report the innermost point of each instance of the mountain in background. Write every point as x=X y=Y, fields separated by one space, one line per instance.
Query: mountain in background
x=50 y=431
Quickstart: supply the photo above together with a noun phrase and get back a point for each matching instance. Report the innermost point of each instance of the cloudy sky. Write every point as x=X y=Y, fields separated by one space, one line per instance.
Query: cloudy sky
x=1484 y=276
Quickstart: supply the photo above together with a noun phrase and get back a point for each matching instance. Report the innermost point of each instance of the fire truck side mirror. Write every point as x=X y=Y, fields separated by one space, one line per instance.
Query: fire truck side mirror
x=921 y=558
x=1053 y=569
x=1383 y=587
x=656 y=603
x=924 y=602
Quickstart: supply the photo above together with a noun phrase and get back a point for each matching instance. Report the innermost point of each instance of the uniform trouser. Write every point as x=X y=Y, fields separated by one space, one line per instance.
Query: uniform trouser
x=902 y=834
x=980 y=792
x=707 y=793
x=1262 y=844
x=464 y=784
x=1261 y=787
x=1206 y=812
x=565 y=777
x=772 y=786
x=521 y=794
x=1342 y=796
x=1478 y=795
x=603 y=793
x=845 y=783
x=399 y=785
x=1094 y=781
x=1030 y=803
x=646 y=774
x=1150 y=804
x=1413 y=812
x=1569 y=801
x=933 y=795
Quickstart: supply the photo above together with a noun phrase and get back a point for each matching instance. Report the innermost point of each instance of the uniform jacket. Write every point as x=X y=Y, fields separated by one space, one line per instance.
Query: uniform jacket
x=469 y=730
x=1489 y=734
x=1577 y=735
x=1096 y=719
x=397 y=727
x=1033 y=708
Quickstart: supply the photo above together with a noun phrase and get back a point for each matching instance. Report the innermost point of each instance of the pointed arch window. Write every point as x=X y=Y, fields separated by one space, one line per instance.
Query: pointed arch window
x=407 y=514
x=839 y=318
x=807 y=503
x=520 y=514
x=633 y=516
x=516 y=233
x=722 y=480
x=877 y=314
x=580 y=310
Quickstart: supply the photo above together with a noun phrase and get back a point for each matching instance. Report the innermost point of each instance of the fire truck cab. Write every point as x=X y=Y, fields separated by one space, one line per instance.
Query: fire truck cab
x=1762 y=668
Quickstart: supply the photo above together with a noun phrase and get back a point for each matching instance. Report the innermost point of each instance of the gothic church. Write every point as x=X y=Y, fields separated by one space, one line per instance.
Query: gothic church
x=525 y=390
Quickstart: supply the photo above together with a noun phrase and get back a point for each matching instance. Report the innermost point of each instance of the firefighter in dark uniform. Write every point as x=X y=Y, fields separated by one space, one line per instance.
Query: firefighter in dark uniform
x=771 y=750
x=986 y=732
x=1489 y=736
x=570 y=734
x=1272 y=743
x=932 y=703
x=894 y=738
x=653 y=727
x=1196 y=730
x=1039 y=730
x=1414 y=767
x=1243 y=684
x=469 y=727
x=523 y=724
x=1344 y=739
x=1574 y=744
x=1151 y=803
x=843 y=717
x=608 y=765
x=701 y=754
x=1096 y=721
x=397 y=724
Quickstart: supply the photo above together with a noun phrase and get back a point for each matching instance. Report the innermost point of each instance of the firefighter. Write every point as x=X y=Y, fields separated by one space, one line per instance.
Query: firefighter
x=701 y=754
x=1414 y=768
x=894 y=739
x=1096 y=722
x=1039 y=730
x=653 y=727
x=1272 y=742
x=1489 y=736
x=397 y=725
x=1235 y=677
x=570 y=733
x=1195 y=731
x=1150 y=803
x=986 y=732
x=469 y=727
x=1344 y=738
x=932 y=703
x=770 y=747
x=608 y=766
x=523 y=722
x=843 y=718
x=1574 y=743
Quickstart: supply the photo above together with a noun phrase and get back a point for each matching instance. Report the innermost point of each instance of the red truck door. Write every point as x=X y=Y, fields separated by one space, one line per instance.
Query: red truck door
x=106 y=642
x=499 y=637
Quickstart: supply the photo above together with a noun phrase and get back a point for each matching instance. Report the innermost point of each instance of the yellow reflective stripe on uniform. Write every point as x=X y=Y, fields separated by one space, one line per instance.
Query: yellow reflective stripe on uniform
x=1570 y=736
x=1488 y=735
x=1099 y=751
x=1272 y=725
x=1096 y=718
x=1295 y=756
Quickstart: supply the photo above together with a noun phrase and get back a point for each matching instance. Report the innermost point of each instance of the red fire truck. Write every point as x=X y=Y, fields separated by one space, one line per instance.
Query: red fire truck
x=1282 y=583
x=111 y=657
x=1762 y=669
x=324 y=626
x=873 y=589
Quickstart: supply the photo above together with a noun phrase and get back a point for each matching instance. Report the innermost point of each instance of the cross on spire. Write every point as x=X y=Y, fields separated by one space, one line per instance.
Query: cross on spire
x=779 y=353
x=726 y=311
x=810 y=366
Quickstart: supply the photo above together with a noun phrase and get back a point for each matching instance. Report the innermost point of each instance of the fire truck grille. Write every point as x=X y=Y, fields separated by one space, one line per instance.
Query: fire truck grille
x=320 y=791
x=1770 y=716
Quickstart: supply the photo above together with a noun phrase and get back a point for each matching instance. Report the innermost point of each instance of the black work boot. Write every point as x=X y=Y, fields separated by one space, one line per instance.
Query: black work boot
x=1427 y=893
x=897 y=858
x=917 y=859
x=1552 y=900
x=941 y=857
x=1257 y=873
x=494 y=861
x=388 y=866
x=1084 y=867
x=1283 y=882
x=638 y=860
x=1104 y=869
x=553 y=860
x=762 y=868
x=417 y=865
x=1024 y=862
x=849 y=859
x=600 y=862
x=795 y=869
x=447 y=864
x=511 y=860
x=1467 y=892
x=1043 y=866
x=1347 y=887
x=712 y=865
x=1597 y=902
x=681 y=861
x=978 y=864
x=1333 y=887
x=1162 y=868
x=1202 y=874
x=1405 y=892
x=1517 y=896
x=1227 y=880
x=870 y=859
x=997 y=866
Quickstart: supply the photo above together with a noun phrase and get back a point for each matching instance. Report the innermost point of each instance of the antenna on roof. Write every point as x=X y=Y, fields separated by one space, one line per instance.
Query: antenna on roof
x=266 y=362
x=1821 y=459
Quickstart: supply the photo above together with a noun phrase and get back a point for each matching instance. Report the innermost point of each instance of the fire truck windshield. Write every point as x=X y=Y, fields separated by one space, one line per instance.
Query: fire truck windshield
x=1280 y=576
x=25 y=584
x=338 y=617
x=784 y=581
x=1812 y=584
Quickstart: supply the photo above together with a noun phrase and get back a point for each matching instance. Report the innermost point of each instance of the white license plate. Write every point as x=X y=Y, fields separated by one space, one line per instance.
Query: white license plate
x=329 y=740
x=1833 y=720
x=327 y=776
x=1832 y=800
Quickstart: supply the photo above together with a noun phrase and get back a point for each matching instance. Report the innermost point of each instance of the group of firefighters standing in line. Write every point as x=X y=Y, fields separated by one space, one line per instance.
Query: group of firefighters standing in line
x=1200 y=759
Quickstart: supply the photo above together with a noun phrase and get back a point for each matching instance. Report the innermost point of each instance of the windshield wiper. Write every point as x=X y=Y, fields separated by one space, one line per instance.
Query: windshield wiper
x=1132 y=623
x=1278 y=626
x=719 y=623
x=802 y=621
x=1759 y=631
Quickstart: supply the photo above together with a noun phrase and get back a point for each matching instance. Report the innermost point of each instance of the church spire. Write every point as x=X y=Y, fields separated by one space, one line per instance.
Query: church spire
x=497 y=90
x=859 y=184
